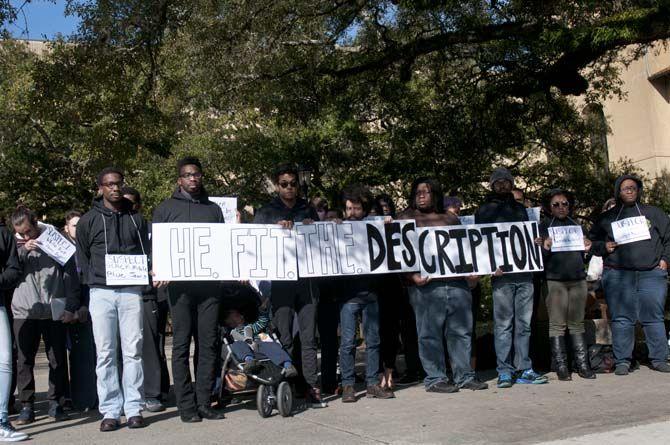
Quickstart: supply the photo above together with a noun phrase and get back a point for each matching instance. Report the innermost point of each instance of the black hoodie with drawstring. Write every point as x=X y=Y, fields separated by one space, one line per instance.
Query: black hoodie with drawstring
x=640 y=255
x=125 y=234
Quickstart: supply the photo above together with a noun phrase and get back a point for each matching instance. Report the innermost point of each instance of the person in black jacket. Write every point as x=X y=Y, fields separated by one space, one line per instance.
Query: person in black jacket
x=294 y=297
x=155 y=310
x=194 y=305
x=566 y=283
x=634 y=273
x=112 y=227
x=512 y=293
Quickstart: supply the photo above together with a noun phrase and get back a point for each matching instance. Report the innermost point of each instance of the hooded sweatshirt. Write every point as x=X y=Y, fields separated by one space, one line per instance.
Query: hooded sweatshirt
x=640 y=255
x=126 y=234
x=43 y=279
x=561 y=266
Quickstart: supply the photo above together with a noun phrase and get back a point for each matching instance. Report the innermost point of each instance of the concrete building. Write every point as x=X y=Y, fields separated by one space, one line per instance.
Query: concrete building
x=639 y=123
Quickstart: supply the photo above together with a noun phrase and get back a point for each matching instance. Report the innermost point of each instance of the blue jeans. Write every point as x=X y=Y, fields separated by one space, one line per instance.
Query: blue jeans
x=631 y=296
x=512 y=311
x=444 y=310
x=348 y=317
x=5 y=363
x=117 y=313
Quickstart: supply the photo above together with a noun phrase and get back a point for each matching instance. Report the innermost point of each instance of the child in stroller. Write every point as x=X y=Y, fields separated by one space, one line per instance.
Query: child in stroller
x=253 y=360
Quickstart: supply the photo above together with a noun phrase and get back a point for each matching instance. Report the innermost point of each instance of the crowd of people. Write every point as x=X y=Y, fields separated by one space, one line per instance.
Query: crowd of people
x=114 y=334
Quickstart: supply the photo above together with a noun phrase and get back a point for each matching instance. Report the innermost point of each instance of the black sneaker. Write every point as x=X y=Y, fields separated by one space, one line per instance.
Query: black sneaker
x=407 y=379
x=208 y=413
x=661 y=367
x=442 y=387
x=26 y=415
x=474 y=384
x=622 y=369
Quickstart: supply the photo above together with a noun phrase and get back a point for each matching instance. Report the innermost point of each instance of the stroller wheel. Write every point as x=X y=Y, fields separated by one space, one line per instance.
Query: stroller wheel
x=264 y=400
x=284 y=399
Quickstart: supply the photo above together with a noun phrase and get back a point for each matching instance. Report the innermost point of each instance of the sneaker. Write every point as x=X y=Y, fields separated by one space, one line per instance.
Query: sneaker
x=661 y=367
x=348 y=394
x=377 y=392
x=474 y=384
x=26 y=416
x=313 y=397
x=622 y=369
x=57 y=413
x=154 y=405
x=407 y=379
x=505 y=381
x=9 y=434
x=289 y=371
x=530 y=377
x=442 y=387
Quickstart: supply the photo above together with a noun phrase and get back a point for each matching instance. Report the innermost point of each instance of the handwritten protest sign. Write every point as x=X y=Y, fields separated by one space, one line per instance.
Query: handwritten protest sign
x=55 y=245
x=479 y=249
x=467 y=220
x=228 y=207
x=534 y=213
x=630 y=230
x=198 y=252
x=356 y=247
x=126 y=270
x=566 y=238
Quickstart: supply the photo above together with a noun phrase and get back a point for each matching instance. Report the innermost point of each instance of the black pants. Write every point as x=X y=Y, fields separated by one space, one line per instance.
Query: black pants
x=408 y=335
x=389 y=321
x=328 y=320
x=156 y=375
x=28 y=334
x=286 y=305
x=193 y=315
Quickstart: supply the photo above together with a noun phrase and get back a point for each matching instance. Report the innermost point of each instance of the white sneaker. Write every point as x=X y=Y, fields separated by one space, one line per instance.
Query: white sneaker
x=9 y=434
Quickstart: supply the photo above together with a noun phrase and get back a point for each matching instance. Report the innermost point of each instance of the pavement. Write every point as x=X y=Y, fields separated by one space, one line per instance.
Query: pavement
x=609 y=410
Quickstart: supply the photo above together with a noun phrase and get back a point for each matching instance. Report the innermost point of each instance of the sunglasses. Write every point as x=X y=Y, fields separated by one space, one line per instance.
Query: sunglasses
x=560 y=204
x=287 y=184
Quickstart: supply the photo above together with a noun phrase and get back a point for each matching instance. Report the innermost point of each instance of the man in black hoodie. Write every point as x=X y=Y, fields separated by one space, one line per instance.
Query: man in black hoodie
x=634 y=274
x=294 y=297
x=194 y=305
x=112 y=227
x=512 y=293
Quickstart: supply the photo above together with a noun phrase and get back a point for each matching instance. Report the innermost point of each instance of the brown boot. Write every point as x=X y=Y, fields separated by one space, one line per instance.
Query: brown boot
x=348 y=394
x=377 y=392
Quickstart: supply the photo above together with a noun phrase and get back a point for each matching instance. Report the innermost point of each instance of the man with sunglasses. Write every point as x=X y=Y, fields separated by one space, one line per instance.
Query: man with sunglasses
x=635 y=273
x=194 y=305
x=112 y=227
x=291 y=298
x=512 y=293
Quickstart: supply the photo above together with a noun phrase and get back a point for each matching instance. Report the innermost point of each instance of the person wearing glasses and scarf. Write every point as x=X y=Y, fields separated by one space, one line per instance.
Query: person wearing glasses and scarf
x=290 y=298
x=566 y=284
x=635 y=272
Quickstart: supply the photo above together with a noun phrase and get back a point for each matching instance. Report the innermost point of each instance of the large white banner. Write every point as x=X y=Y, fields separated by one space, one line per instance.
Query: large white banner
x=198 y=252
x=479 y=249
x=356 y=247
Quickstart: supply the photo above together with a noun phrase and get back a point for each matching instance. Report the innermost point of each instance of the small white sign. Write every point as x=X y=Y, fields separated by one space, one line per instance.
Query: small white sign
x=533 y=213
x=566 y=238
x=630 y=230
x=467 y=220
x=126 y=270
x=55 y=245
x=57 y=308
x=228 y=207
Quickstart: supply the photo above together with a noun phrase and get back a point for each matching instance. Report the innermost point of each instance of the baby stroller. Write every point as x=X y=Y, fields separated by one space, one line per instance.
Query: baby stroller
x=265 y=381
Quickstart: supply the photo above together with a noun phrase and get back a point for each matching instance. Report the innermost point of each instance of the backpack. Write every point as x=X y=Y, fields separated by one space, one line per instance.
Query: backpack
x=601 y=358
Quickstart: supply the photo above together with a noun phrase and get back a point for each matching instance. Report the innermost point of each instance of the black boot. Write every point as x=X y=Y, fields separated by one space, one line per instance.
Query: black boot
x=581 y=358
x=559 y=358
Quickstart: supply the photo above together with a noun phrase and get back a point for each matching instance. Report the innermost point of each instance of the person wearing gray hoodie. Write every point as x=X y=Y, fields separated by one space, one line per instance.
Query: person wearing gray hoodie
x=635 y=274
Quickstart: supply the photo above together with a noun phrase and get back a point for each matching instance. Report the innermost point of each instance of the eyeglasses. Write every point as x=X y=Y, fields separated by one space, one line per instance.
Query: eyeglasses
x=560 y=204
x=629 y=189
x=287 y=184
x=196 y=175
x=111 y=185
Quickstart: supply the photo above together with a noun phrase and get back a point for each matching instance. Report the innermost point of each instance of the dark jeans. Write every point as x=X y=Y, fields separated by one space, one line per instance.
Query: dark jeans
x=349 y=313
x=285 y=306
x=328 y=321
x=631 y=296
x=270 y=350
x=28 y=334
x=444 y=311
x=193 y=315
x=512 y=313
x=156 y=375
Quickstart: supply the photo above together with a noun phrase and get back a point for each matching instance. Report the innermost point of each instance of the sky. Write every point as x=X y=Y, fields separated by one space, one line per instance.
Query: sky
x=41 y=19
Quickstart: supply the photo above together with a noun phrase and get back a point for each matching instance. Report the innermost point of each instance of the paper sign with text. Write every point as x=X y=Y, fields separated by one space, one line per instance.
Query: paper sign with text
x=228 y=207
x=59 y=248
x=630 y=230
x=566 y=238
x=126 y=270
